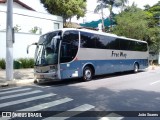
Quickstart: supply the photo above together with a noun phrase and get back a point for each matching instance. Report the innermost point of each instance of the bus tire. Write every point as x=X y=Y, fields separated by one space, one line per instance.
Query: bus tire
x=87 y=73
x=136 y=68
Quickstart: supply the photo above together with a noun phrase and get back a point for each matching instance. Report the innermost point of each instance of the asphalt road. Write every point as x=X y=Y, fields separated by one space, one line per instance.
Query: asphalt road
x=108 y=94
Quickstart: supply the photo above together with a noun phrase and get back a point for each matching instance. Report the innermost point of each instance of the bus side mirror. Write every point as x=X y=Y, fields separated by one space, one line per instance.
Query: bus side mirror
x=30 y=45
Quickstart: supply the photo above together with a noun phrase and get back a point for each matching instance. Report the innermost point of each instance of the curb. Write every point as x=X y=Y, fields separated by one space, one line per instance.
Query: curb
x=17 y=82
x=4 y=84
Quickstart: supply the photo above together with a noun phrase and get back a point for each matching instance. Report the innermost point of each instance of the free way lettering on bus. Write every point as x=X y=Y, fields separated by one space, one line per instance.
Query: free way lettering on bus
x=120 y=54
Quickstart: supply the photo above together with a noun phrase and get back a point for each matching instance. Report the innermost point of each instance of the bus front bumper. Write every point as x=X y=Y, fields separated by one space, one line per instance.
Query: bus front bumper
x=46 y=77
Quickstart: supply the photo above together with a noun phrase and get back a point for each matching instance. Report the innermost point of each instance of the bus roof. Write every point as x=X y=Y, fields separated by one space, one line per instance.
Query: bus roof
x=102 y=33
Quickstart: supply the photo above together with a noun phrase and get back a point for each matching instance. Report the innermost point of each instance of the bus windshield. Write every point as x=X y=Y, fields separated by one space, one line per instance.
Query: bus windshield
x=47 y=49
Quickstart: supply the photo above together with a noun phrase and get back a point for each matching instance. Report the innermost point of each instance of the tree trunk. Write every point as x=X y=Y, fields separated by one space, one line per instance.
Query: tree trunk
x=111 y=17
x=64 y=22
x=103 y=26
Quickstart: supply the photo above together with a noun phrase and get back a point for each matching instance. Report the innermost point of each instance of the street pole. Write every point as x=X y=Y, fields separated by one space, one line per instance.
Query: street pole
x=9 y=41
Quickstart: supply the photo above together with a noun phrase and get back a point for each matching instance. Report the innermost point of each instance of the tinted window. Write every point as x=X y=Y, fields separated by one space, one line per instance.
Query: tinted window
x=88 y=40
x=114 y=43
x=102 y=42
x=46 y=39
x=137 y=46
x=141 y=46
x=124 y=44
x=69 y=46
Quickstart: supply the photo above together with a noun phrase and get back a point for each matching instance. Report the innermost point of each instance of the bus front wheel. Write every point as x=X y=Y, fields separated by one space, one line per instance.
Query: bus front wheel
x=136 y=68
x=87 y=74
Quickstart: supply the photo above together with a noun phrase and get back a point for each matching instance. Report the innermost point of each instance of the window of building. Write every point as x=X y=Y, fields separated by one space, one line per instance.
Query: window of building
x=56 y=26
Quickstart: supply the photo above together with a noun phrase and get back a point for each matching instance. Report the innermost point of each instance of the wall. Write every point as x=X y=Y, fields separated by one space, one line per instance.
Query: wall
x=15 y=5
x=27 y=19
x=22 y=40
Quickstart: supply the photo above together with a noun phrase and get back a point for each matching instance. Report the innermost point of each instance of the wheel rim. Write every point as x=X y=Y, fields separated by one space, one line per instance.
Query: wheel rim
x=88 y=74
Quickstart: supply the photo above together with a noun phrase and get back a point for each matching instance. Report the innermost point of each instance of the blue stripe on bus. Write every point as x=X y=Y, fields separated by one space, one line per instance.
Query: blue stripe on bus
x=100 y=66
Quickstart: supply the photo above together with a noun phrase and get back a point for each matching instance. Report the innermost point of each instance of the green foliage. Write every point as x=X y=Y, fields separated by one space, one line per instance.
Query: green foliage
x=19 y=63
x=154 y=25
x=154 y=34
x=146 y=7
x=110 y=4
x=34 y=30
x=17 y=28
x=140 y=24
x=65 y=8
x=2 y=64
x=26 y=62
x=132 y=23
x=155 y=11
x=114 y=3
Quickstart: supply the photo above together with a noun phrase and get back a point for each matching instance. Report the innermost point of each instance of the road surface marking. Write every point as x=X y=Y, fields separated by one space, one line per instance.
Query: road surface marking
x=25 y=100
x=41 y=86
x=9 y=88
x=18 y=95
x=1 y=93
x=78 y=110
x=155 y=82
x=112 y=116
x=47 y=105
x=4 y=118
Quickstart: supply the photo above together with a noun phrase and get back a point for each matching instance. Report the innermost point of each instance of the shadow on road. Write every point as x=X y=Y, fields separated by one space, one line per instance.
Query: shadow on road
x=123 y=102
x=78 y=80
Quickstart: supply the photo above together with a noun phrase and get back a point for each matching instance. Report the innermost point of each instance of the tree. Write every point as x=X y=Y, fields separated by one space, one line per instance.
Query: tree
x=136 y=23
x=132 y=23
x=146 y=7
x=65 y=8
x=101 y=6
x=155 y=39
x=154 y=11
x=122 y=4
x=110 y=4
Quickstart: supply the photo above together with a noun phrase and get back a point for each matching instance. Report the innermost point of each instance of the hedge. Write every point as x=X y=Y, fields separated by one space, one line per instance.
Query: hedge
x=19 y=63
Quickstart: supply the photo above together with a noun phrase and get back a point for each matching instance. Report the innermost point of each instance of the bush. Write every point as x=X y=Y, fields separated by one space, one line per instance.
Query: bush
x=2 y=64
x=26 y=62
x=19 y=63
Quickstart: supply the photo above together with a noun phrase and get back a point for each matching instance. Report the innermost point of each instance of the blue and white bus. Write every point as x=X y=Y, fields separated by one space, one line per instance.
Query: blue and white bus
x=81 y=53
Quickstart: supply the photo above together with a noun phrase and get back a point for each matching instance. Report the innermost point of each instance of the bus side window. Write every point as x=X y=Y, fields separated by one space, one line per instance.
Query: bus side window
x=124 y=44
x=69 y=46
x=88 y=40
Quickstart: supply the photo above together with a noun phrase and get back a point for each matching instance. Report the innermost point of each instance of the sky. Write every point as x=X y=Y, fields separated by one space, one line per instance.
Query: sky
x=91 y=5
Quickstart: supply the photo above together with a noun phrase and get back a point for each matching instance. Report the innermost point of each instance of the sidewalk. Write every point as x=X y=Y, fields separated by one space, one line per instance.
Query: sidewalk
x=26 y=76
x=21 y=77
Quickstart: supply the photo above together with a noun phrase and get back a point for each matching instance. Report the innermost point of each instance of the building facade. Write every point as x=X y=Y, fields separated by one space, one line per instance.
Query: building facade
x=28 y=24
x=26 y=19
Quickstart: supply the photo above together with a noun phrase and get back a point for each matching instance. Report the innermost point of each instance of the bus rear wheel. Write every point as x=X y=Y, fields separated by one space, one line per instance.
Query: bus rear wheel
x=87 y=74
x=136 y=68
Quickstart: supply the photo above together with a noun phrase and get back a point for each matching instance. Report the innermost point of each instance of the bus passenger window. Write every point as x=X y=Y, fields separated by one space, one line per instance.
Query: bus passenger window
x=88 y=40
x=69 y=46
